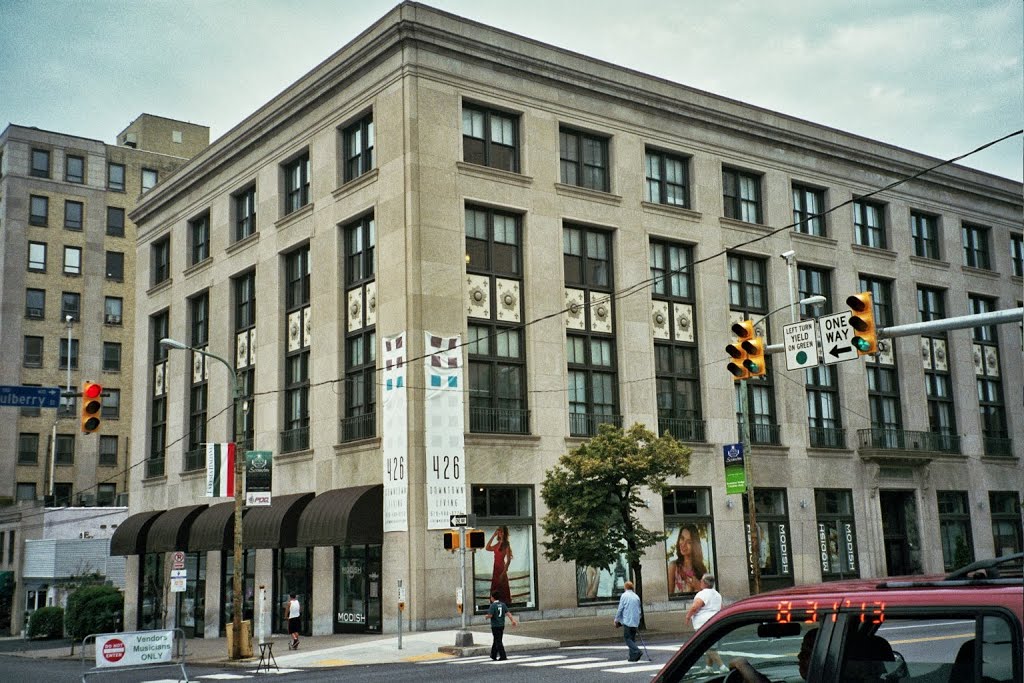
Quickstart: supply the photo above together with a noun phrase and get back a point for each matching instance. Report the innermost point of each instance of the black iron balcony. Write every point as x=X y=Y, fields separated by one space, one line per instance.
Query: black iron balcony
x=761 y=434
x=585 y=424
x=682 y=429
x=883 y=438
x=498 y=420
x=195 y=459
x=155 y=466
x=998 y=444
x=827 y=437
x=295 y=439
x=356 y=427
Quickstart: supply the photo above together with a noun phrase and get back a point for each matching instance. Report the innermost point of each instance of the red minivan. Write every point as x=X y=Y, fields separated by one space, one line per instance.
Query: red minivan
x=958 y=628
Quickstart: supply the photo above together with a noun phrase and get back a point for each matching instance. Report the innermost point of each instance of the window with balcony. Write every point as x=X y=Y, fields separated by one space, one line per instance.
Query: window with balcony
x=989 y=380
x=296 y=183
x=938 y=383
x=924 y=229
x=74 y=169
x=361 y=338
x=296 y=352
x=244 y=300
x=161 y=258
x=159 y=325
x=583 y=159
x=111 y=357
x=808 y=204
x=115 y=177
x=32 y=356
x=199 y=238
x=245 y=213
x=39 y=211
x=359 y=152
x=976 y=250
x=40 y=163
x=35 y=304
x=668 y=178
x=741 y=195
x=490 y=137
x=115 y=221
x=824 y=417
x=869 y=223
x=70 y=305
x=72 y=261
x=199 y=329
x=748 y=299
x=955 y=529
x=37 y=257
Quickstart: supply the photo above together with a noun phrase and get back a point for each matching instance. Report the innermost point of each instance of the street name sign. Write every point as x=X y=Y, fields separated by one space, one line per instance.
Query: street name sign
x=801 y=345
x=29 y=397
x=836 y=336
x=458 y=520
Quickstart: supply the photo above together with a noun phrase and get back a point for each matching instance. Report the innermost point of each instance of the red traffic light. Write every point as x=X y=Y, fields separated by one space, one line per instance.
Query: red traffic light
x=92 y=390
x=92 y=405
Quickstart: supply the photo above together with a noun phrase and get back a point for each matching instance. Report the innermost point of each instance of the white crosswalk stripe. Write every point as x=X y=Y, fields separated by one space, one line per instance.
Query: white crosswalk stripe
x=635 y=668
x=573 y=661
x=562 y=662
x=595 y=665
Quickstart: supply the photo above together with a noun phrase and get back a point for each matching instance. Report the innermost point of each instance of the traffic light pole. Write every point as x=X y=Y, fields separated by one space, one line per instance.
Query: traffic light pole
x=464 y=637
x=755 y=537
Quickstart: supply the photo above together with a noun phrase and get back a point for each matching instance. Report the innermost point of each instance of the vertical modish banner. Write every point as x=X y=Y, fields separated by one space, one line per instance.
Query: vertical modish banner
x=443 y=417
x=395 y=406
x=220 y=470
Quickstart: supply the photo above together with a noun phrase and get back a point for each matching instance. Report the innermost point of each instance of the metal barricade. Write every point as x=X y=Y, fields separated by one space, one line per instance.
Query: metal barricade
x=133 y=650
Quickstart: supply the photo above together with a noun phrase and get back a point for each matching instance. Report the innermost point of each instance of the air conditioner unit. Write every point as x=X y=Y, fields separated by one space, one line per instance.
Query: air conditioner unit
x=113 y=319
x=35 y=312
x=86 y=500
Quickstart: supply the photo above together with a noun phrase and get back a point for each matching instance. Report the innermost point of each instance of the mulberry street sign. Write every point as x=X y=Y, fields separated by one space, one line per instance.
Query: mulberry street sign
x=29 y=397
x=836 y=336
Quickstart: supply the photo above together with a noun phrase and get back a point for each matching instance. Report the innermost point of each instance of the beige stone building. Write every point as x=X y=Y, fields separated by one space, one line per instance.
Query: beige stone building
x=68 y=251
x=571 y=240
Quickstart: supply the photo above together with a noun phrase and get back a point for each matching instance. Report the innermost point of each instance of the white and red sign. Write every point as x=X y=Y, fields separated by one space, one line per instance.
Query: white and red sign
x=178 y=560
x=134 y=649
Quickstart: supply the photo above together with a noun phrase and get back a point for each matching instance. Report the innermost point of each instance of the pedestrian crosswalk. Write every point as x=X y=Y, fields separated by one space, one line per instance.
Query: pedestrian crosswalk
x=607 y=663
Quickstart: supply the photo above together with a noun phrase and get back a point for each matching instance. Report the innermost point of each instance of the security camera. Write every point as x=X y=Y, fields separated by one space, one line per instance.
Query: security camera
x=788 y=254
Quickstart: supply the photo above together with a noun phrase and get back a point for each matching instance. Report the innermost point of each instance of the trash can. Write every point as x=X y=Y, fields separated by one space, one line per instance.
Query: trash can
x=246 y=644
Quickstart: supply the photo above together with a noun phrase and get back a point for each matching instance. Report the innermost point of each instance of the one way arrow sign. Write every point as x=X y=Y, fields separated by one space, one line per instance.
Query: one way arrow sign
x=836 y=334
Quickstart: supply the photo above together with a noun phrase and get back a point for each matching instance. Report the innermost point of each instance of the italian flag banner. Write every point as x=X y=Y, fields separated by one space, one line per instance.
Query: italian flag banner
x=220 y=469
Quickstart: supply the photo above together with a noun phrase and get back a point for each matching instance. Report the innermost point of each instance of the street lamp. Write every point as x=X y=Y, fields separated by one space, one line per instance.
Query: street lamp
x=755 y=536
x=237 y=577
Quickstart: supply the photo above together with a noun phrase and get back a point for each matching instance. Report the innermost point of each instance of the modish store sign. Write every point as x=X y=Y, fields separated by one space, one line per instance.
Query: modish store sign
x=134 y=649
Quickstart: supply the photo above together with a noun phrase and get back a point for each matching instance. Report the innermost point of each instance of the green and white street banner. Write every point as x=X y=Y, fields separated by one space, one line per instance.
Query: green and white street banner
x=735 y=472
x=258 y=477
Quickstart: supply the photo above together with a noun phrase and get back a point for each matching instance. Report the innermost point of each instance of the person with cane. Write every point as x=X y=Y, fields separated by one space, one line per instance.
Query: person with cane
x=628 y=617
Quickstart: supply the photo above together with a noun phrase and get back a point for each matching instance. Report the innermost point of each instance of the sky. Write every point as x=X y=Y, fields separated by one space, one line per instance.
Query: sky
x=939 y=77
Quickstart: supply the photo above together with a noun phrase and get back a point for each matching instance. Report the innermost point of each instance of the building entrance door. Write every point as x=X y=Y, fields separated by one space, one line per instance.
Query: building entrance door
x=357 y=593
x=899 y=530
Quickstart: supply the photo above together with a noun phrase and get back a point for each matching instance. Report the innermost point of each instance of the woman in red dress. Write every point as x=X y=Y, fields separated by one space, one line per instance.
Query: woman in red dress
x=502 y=550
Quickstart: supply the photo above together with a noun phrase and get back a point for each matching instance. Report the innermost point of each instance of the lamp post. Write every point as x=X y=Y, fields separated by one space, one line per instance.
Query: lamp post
x=755 y=536
x=239 y=597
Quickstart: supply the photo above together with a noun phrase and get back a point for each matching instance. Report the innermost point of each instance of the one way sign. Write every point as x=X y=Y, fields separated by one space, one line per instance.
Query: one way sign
x=836 y=334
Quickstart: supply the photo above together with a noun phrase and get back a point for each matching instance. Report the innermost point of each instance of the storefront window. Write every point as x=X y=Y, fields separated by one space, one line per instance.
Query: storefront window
x=228 y=585
x=773 y=526
x=292 y=574
x=690 y=544
x=505 y=514
x=605 y=584
x=837 y=535
x=151 y=592
x=357 y=589
x=191 y=605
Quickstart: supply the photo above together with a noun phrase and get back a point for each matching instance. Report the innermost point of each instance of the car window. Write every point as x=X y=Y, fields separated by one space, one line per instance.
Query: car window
x=772 y=649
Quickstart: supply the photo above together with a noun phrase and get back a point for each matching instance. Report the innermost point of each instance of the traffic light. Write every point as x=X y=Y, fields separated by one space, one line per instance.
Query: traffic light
x=451 y=540
x=862 y=320
x=475 y=539
x=92 y=406
x=755 y=356
x=744 y=331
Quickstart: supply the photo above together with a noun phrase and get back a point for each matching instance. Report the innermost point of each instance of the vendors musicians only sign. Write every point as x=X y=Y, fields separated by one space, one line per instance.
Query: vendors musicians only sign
x=258 y=477
x=133 y=649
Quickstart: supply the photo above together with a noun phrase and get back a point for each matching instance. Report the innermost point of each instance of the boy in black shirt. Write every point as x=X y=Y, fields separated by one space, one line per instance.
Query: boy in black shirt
x=497 y=612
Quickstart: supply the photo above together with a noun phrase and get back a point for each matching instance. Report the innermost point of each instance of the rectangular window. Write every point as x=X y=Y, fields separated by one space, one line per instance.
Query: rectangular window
x=506 y=516
x=199 y=336
x=106 y=494
x=155 y=463
x=955 y=529
x=925 y=231
x=149 y=179
x=869 y=223
x=748 y=299
x=497 y=380
x=741 y=195
x=161 y=260
x=938 y=383
x=993 y=417
x=111 y=357
x=358 y=142
x=72 y=261
x=35 y=304
x=1007 y=531
x=115 y=221
x=115 y=177
x=881 y=295
x=39 y=210
x=33 y=352
x=360 y=241
x=70 y=305
x=28 y=449
x=584 y=159
x=808 y=204
x=296 y=409
x=111 y=404
x=64 y=354
x=244 y=287
x=199 y=317
x=73 y=215
x=774 y=537
x=884 y=403
x=690 y=543
x=37 y=257
x=360 y=386
x=115 y=266
x=113 y=310
x=982 y=304
x=837 y=534
x=671 y=270
x=108 y=450
x=199 y=238
x=245 y=213
x=586 y=257
x=668 y=178
x=296 y=183
x=65 y=450
x=74 y=169
x=25 y=491
x=40 y=163
x=490 y=138
x=297 y=272
x=976 y=252
x=1017 y=253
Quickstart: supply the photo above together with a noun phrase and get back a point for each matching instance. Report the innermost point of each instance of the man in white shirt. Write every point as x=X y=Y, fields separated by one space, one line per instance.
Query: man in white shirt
x=706 y=604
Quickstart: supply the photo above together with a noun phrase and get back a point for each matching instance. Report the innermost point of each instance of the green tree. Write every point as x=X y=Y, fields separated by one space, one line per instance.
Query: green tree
x=594 y=492
x=93 y=609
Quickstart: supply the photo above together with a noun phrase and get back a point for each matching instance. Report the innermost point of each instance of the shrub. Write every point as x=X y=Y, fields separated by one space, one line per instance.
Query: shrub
x=46 y=622
x=93 y=609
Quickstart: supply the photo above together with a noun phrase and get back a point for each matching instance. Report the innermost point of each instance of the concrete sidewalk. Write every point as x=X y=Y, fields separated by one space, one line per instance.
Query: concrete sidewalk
x=351 y=649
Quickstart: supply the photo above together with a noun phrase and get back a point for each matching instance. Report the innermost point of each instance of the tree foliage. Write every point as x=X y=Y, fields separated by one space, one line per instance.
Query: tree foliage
x=93 y=609
x=46 y=622
x=594 y=492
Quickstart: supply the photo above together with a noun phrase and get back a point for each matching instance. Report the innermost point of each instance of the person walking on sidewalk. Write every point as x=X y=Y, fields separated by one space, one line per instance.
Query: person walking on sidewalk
x=706 y=604
x=497 y=613
x=628 y=617
x=294 y=612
